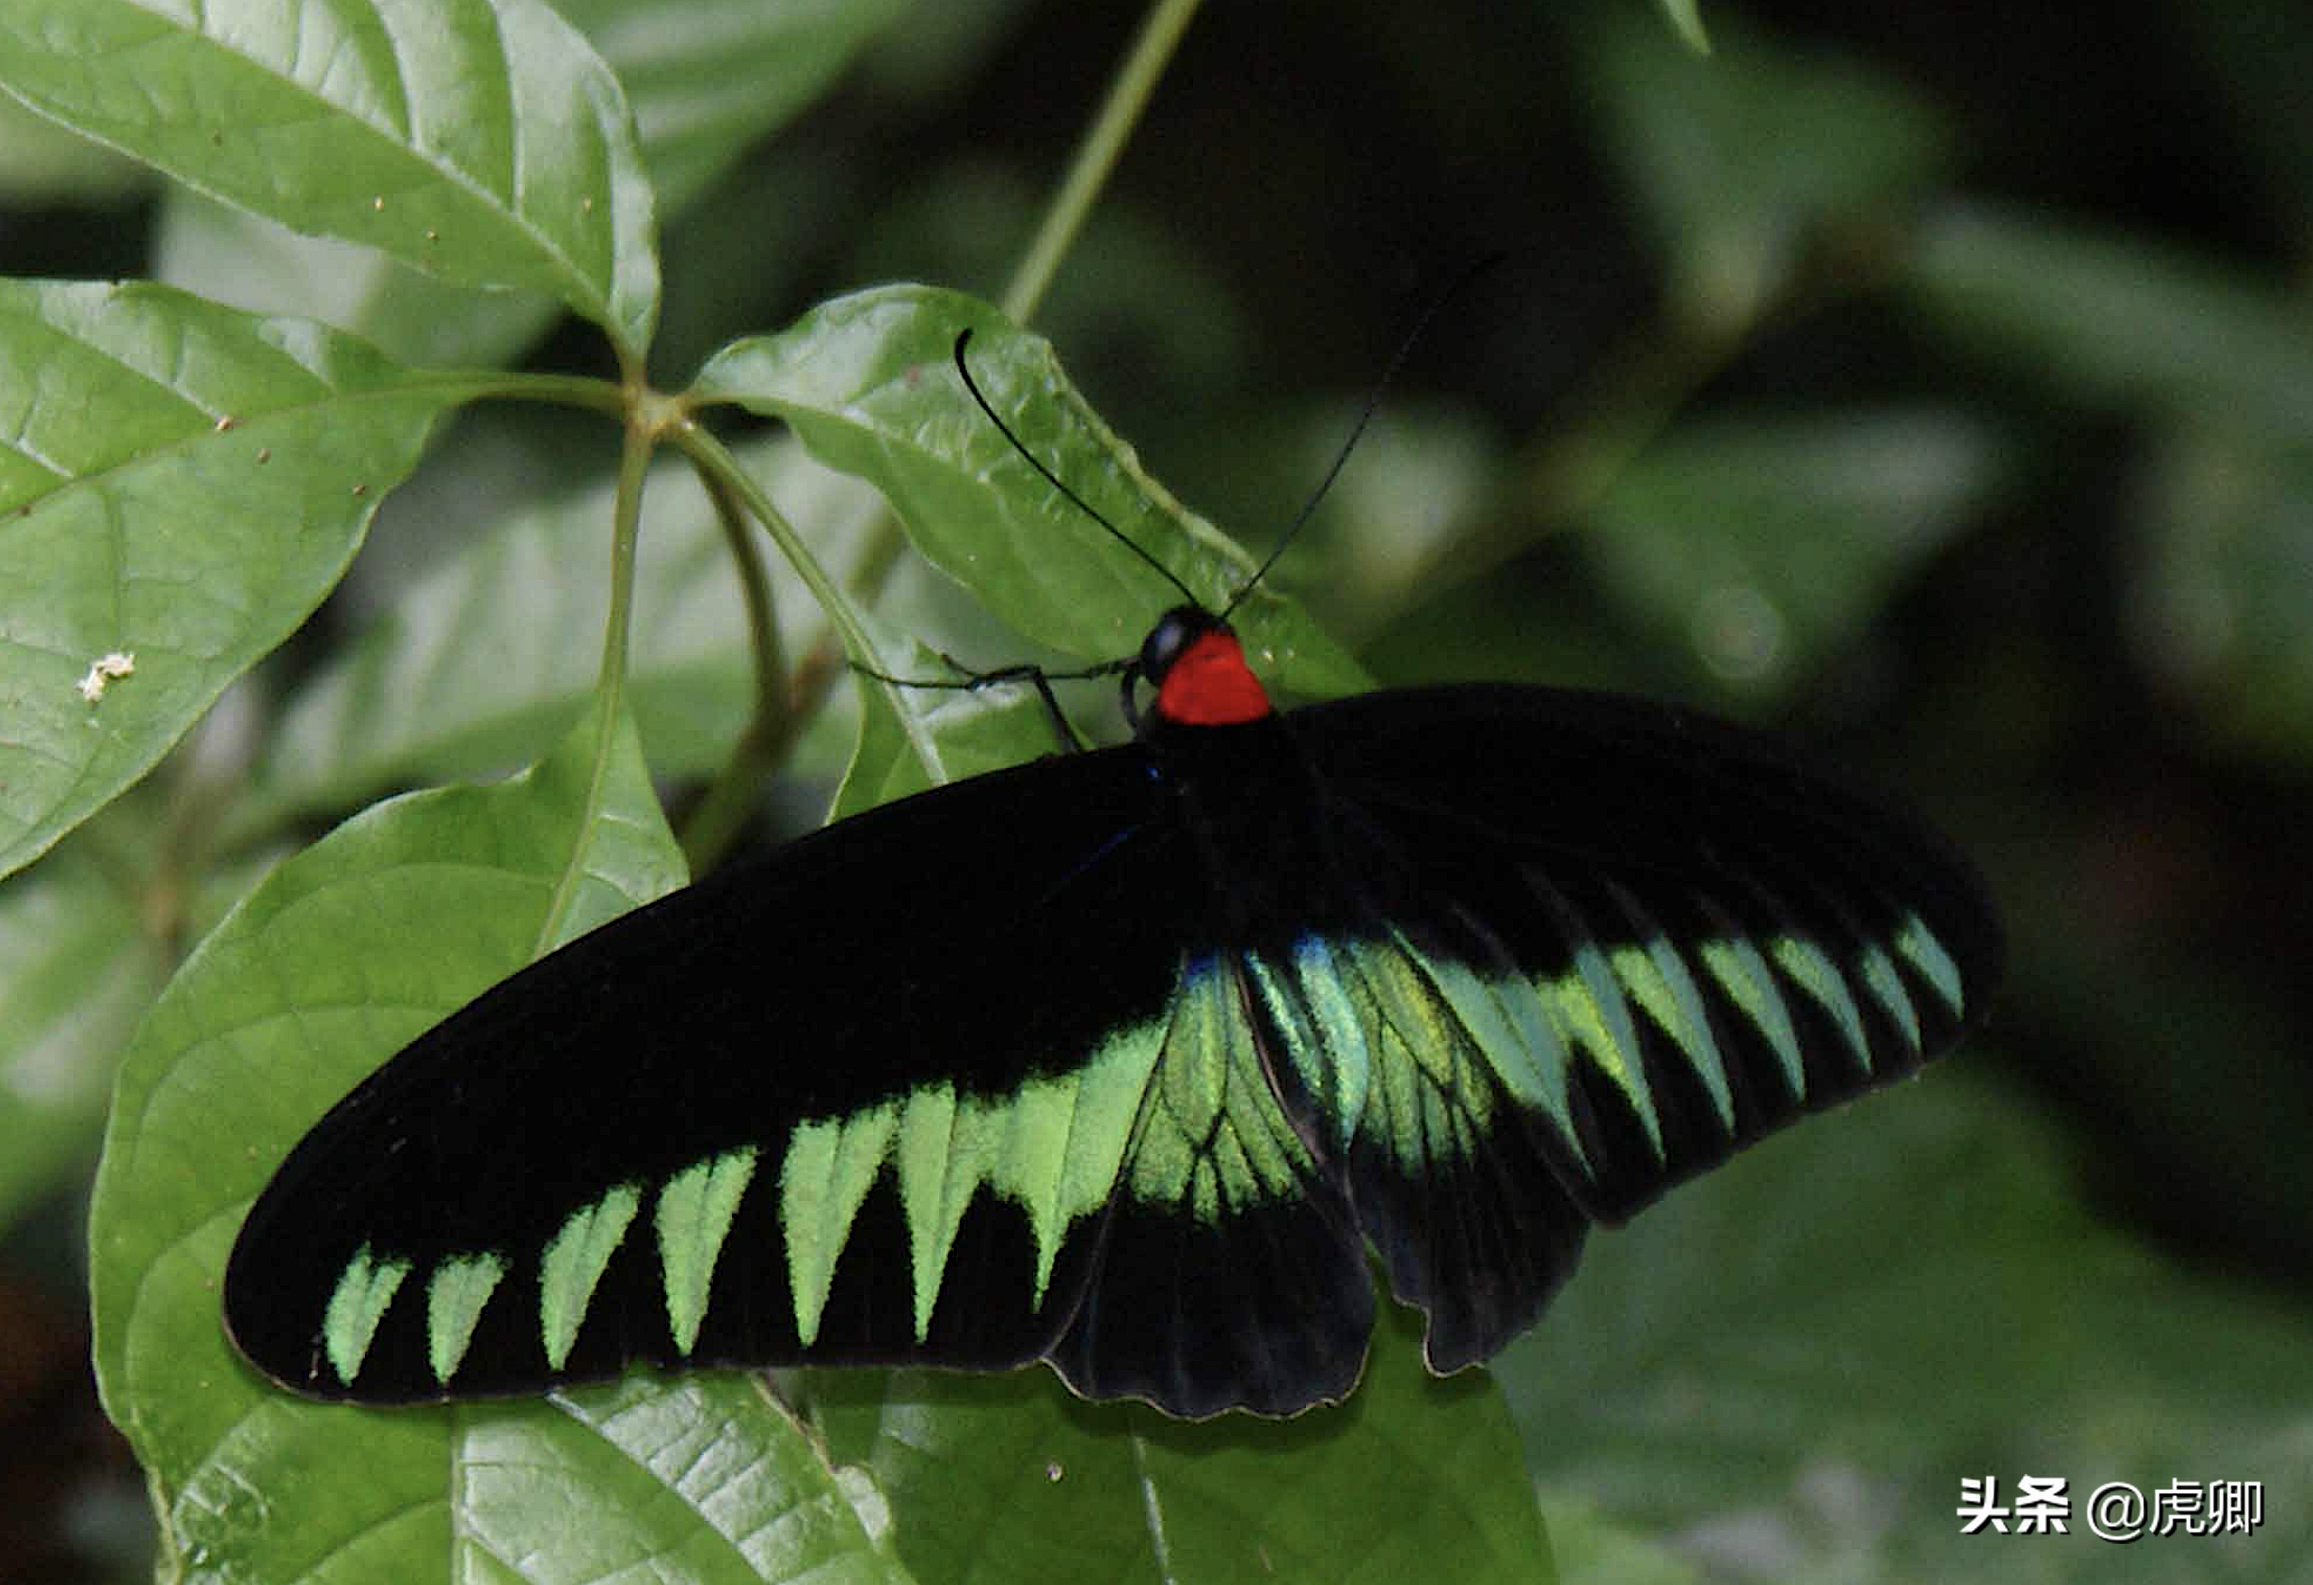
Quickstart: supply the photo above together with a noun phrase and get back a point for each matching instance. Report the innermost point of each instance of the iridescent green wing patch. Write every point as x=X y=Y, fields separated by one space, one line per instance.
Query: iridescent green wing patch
x=1593 y=947
x=1228 y=1271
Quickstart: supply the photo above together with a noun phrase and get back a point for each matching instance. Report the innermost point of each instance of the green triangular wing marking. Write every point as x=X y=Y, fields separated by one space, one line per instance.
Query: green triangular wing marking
x=1015 y=1145
x=938 y=1152
x=1064 y=1142
x=693 y=1219
x=1655 y=974
x=1594 y=1013
x=455 y=1294
x=1919 y=947
x=1507 y=1017
x=830 y=1166
x=574 y=1262
x=1811 y=967
x=1880 y=978
x=1025 y=1163
x=356 y=1306
x=1735 y=964
x=1053 y=1147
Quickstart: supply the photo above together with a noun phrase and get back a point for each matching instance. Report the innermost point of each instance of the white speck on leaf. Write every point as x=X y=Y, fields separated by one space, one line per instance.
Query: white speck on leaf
x=101 y=672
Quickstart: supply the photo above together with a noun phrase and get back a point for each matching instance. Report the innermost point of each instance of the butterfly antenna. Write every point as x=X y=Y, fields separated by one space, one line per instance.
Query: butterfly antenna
x=1381 y=387
x=963 y=339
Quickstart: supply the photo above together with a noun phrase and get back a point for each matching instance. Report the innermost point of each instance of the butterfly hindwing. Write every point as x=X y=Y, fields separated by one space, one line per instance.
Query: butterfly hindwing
x=1600 y=945
x=1230 y=1272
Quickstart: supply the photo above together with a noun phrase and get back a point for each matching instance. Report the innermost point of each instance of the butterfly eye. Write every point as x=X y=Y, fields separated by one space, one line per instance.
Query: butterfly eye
x=1165 y=642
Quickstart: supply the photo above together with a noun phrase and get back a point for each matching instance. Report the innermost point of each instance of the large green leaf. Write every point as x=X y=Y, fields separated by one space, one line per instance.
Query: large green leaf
x=2223 y=585
x=1009 y=1478
x=42 y=161
x=180 y=486
x=707 y=80
x=1735 y=159
x=2118 y=320
x=472 y=668
x=1763 y=547
x=868 y=383
x=338 y=958
x=914 y=738
x=481 y=140
x=234 y=257
x=76 y=970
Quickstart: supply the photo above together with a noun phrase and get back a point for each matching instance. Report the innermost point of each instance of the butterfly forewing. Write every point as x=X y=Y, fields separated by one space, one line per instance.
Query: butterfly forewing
x=1131 y=1060
x=833 y=1106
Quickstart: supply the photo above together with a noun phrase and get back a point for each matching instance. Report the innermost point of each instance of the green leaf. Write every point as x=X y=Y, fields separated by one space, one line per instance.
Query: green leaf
x=1801 y=1356
x=471 y=668
x=1687 y=17
x=1009 y=1478
x=700 y=1479
x=246 y=261
x=180 y=487
x=709 y=79
x=339 y=957
x=2224 y=580
x=911 y=739
x=41 y=161
x=868 y=384
x=1764 y=547
x=76 y=971
x=480 y=140
x=1736 y=159
x=2118 y=320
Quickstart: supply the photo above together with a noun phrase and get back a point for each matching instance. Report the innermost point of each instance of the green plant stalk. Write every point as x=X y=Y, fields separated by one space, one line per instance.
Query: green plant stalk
x=1096 y=156
x=1630 y=395
x=565 y=390
x=712 y=826
x=610 y=688
x=715 y=461
x=716 y=821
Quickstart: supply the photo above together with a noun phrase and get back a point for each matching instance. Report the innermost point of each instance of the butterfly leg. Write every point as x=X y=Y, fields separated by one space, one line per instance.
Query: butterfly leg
x=971 y=681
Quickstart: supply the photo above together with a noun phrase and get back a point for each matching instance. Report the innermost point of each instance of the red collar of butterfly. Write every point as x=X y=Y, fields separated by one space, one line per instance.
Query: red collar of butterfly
x=1198 y=668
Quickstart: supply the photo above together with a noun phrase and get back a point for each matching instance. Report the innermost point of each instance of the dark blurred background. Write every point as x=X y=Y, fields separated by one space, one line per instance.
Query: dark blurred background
x=1935 y=384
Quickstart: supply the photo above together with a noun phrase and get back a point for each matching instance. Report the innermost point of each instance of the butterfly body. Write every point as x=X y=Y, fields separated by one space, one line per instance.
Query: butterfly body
x=1132 y=1060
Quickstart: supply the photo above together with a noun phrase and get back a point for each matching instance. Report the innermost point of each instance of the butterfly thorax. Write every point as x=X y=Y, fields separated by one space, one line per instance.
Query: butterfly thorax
x=1194 y=661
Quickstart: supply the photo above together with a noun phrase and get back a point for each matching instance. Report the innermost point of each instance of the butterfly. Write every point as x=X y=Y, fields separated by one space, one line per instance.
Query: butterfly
x=1139 y=1060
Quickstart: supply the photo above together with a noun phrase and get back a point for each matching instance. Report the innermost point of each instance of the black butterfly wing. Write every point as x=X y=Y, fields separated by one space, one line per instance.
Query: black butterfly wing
x=1585 y=948
x=1122 y=1059
x=866 y=1100
x=665 y=1142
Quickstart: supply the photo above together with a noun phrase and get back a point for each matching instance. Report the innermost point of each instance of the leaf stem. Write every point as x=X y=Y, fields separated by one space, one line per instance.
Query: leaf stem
x=714 y=459
x=771 y=726
x=564 y=390
x=1096 y=156
x=778 y=714
x=644 y=419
